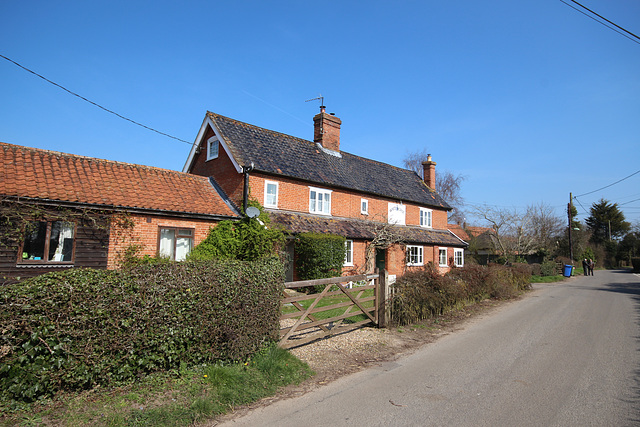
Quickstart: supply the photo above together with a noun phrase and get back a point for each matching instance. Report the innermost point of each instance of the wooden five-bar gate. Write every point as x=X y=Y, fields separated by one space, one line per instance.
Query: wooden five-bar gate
x=306 y=321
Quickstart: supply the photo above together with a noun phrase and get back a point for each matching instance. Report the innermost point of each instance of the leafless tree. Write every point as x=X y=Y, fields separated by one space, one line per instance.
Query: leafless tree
x=448 y=185
x=521 y=233
x=546 y=226
x=384 y=236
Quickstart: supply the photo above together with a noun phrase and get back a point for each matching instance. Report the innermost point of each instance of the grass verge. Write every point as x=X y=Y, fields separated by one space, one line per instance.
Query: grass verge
x=178 y=399
x=547 y=279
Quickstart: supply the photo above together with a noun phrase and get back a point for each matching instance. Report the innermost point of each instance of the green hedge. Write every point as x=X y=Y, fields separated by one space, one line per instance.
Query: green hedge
x=319 y=256
x=422 y=294
x=81 y=328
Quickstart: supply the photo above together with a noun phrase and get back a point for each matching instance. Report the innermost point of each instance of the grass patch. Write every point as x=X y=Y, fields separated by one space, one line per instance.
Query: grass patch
x=171 y=399
x=547 y=279
x=334 y=299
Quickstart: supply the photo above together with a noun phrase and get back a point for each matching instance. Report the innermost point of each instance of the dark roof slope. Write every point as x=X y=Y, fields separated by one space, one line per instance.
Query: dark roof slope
x=281 y=154
x=359 y=229
x=50 y=175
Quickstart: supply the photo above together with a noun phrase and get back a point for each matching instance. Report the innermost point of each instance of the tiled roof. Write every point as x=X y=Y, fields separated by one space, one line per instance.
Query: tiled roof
x=49 y=175
x=359 y=229
x=285 y=155
x=468 y=232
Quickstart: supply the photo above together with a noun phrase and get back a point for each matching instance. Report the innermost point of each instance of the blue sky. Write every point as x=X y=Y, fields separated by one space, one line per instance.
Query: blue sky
x=529 y=100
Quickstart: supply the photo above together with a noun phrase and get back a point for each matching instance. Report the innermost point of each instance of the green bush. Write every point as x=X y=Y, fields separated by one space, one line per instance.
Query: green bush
x=636 y=264
x=247 y=240
x=81 y=328
x=421 y=294
x=319 y=256
x=548 y=268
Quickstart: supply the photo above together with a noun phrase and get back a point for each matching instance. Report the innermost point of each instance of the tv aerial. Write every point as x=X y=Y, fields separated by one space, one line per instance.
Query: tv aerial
x=319 y=98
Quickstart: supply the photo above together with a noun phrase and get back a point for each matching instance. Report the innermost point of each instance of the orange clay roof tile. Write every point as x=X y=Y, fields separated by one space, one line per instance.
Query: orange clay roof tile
x=43 y=174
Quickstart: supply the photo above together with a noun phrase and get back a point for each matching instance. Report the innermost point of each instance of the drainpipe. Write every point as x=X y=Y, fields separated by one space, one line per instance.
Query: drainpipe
x=245 y=194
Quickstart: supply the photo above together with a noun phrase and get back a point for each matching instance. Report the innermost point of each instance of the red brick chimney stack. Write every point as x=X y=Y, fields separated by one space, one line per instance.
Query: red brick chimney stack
x=429 y=172
x=327 y=130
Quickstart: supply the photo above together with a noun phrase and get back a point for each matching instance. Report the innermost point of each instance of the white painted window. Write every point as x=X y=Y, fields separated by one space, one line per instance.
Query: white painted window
x=212 y=148
x=458 y=257
x=397 y=213
x=319 y=201
x=415 y=255
x=364 y=206
x=348 y=257
x=442 y=257
x=426 y=216
x=270 y=194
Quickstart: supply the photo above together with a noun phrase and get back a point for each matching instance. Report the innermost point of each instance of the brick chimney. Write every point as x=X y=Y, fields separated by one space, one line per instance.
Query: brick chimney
x=326 y=130
x=429 y=172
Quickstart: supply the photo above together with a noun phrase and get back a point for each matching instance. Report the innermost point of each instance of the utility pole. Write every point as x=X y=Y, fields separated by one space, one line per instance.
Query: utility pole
x=570 y=227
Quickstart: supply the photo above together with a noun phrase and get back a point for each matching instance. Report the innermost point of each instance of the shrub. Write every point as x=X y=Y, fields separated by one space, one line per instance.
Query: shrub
x=81 y=328
x=319 y=256
x=421 y=294
x=548 y=268
x=636 y=264
x=247 y=240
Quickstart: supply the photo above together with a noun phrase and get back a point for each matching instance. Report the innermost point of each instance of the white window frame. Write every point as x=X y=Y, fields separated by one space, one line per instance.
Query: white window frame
x=213 y=148
x=426 y=218
x=394 y=212
x=325 y=201
x=266 y=194
x=458 y=252
x=348 y=255
x=417 y=258
x=445 y=264
x=364 y=206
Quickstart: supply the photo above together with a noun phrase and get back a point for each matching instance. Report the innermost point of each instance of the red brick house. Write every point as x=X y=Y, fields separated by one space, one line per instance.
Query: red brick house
x=84 y=212
x=315 y=186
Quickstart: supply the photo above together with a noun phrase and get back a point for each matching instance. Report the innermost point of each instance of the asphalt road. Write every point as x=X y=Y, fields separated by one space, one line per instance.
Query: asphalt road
x=566 y=355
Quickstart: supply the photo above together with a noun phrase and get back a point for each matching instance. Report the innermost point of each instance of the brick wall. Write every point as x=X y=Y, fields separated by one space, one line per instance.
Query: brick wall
x=146 y=231
x=294 y=196
x=221 y=168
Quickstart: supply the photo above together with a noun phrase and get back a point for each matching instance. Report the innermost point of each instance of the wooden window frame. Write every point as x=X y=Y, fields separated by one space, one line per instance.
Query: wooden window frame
x=176 y=236
x=47 y=243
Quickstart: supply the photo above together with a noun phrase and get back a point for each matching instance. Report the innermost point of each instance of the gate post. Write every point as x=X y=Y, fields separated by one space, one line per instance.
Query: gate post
x=382 y=291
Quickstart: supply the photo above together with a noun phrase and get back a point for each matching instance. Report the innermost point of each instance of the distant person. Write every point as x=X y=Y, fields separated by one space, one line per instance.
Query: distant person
x=585 y=267
x=592 y=264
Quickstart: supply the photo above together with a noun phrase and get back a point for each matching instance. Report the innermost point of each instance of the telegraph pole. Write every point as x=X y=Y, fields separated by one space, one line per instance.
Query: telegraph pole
x=569 y=215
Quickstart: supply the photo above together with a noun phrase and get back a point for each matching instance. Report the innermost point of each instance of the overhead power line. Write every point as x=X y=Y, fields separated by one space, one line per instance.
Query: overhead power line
x=607 y=186
x=94 y=103
x=623 y=32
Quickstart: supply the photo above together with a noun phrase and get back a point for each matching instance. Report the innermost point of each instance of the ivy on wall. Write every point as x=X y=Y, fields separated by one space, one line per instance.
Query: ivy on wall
x=247 y=240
